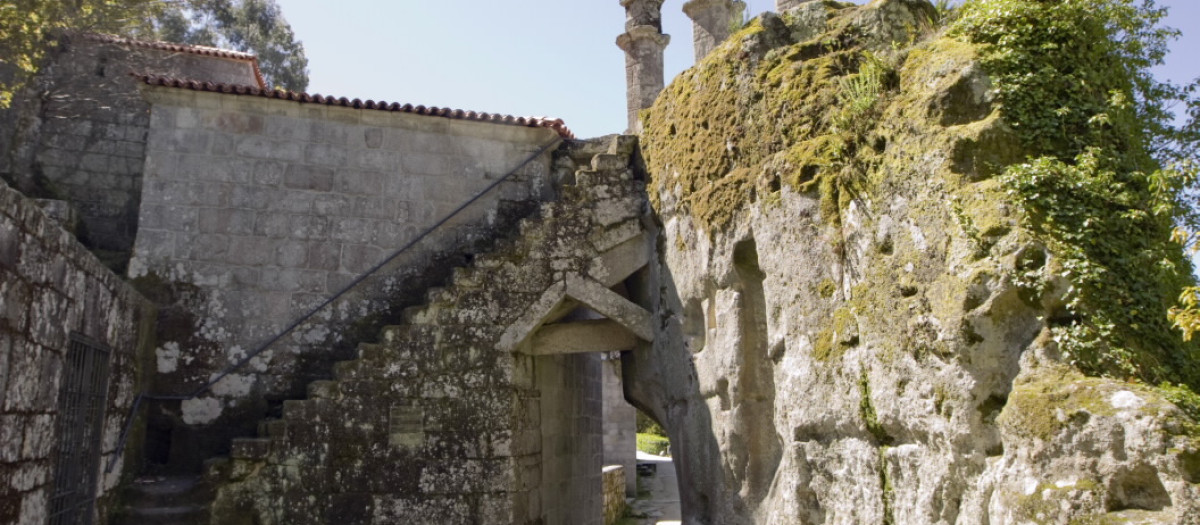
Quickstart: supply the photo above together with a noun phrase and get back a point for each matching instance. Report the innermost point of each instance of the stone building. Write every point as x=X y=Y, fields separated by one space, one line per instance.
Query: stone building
x=327 y=310
x=238 y=210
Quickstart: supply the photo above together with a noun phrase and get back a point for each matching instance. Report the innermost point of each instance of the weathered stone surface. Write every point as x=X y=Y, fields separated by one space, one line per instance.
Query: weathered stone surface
x=872 y=359
x=438 y=411
x=255 y=211
x=85 y=143
x=51 y=288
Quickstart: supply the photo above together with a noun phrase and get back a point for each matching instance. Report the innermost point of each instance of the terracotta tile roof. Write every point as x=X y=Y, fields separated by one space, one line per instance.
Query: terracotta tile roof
x=304 y=98
x=181 y=48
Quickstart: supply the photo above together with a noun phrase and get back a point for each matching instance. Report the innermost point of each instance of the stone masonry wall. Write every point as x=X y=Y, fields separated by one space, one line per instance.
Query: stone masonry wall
x=572 y=450
x=254 y=211
x=614 y=493
x=620 y=425
x=51 y=287
x=83 y=140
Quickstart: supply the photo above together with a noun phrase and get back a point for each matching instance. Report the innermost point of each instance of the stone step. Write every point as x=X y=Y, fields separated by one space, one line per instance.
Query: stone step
x=419 y=314
x=324 y=389
x=250 y=448
x=160 y=491
x=177 y=515
x=464 y=277
x=373 y=351
x=273 y=428
x=345 y=370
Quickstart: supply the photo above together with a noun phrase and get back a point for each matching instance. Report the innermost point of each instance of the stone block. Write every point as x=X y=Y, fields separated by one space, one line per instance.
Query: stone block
x=209 y=247
x=155 y=244
x=251 y=251
x=249 y=197
x=292 y=201
x=352 y=230
x=323 y=255
x=224 y=220
x=291 y=254
x=12 y=432
x=289 y=128
x=332 y=204
x=39 y=437
x=265 y=148
x=330 y=133
x=268 y=173
x=10 y=243
x=357 y=258
x=304 y=177
x=309 y=227
x=272 y=224
x=321 y=154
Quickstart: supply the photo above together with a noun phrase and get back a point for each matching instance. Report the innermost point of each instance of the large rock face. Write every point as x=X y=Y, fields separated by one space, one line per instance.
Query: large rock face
x=848 y=331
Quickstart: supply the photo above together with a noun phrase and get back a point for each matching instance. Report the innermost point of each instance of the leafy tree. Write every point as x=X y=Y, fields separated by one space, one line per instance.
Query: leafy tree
x=29 y=27
x=1109 y=172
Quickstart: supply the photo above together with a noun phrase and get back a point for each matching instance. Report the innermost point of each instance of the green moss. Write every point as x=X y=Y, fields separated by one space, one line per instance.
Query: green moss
x=1044 y=505
x=1042 y=407
x=823 y=348
x=827 y=288
x=1091 y=189
x=885 y=485
x=867 y=411
x=717 y=137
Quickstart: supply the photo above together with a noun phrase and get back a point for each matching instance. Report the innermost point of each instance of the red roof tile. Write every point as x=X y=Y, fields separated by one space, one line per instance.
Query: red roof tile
x=182 y=48
x=304 y=98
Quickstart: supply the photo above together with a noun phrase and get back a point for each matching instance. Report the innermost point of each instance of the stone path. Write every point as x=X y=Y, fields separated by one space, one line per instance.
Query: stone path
x=662 y=507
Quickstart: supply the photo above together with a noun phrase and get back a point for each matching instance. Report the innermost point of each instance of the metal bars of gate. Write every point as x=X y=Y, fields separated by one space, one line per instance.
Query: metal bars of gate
x=81 y=403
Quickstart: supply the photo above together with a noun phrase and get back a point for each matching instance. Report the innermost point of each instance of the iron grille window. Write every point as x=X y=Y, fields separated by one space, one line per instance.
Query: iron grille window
x=81 y=403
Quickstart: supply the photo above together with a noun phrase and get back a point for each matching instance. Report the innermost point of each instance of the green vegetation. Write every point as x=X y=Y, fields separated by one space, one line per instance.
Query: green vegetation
x=1078 y=137
x=654 y=444
x=1074 y=82
x=651 y=437
x=28 y=29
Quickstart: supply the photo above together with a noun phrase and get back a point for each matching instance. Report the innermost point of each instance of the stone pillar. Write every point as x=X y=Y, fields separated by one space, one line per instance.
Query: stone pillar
x=712 y=21
x=643 y=43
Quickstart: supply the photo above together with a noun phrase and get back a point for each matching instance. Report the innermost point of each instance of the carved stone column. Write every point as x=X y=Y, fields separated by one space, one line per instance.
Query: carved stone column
x=712 y=21
x=643 y=43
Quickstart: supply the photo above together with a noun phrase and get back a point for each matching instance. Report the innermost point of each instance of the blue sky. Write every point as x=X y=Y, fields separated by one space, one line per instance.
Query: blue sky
x=551 y=58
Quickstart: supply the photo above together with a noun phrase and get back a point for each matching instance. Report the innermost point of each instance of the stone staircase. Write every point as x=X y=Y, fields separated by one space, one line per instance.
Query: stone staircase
x=168 y=500
x=438 y=421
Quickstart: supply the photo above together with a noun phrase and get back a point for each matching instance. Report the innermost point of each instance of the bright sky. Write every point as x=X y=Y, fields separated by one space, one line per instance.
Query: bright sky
x=555 y=58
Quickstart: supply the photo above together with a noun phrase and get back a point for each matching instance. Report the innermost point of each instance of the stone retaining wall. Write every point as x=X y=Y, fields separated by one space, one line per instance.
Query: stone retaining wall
x=614 y=493
x=51 y=288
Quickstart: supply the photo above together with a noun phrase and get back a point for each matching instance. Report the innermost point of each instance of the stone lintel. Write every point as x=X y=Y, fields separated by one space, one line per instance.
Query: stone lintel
x=611 y=305
x=598 y=335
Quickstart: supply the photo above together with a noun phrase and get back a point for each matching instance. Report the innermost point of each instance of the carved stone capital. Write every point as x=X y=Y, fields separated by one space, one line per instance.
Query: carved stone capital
x=712 y=21
x=639 y=36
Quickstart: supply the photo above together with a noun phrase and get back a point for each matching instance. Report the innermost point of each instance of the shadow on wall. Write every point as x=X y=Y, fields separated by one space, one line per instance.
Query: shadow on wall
x=661 y=380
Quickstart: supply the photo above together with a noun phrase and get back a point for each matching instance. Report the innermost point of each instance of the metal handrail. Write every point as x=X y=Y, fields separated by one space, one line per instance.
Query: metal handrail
x=137 y=402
